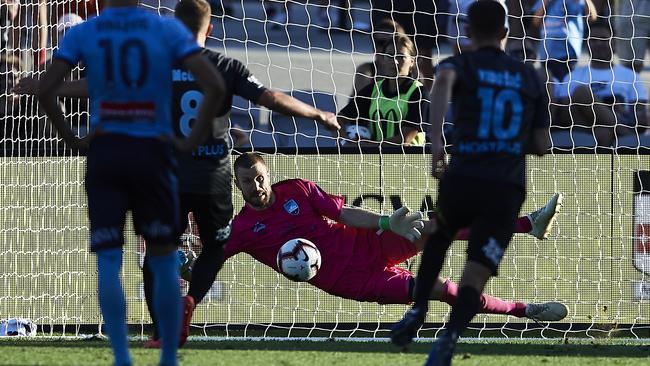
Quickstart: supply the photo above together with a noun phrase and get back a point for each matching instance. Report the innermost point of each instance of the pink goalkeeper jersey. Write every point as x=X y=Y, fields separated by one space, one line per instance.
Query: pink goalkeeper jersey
x=301 y=210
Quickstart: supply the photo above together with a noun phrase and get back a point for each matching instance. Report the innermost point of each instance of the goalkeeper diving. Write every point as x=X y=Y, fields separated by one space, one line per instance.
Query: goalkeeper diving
x=359 y=259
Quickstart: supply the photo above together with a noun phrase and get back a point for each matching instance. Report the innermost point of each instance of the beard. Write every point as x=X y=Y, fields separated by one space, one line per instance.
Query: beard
x=259 y=202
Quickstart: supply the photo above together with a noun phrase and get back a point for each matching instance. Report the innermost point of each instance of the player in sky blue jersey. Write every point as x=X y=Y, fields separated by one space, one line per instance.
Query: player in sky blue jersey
x=128 y=54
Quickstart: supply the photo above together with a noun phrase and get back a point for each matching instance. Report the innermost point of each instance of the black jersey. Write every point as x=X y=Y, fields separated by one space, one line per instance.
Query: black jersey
x=497 y=101
x=207 y=168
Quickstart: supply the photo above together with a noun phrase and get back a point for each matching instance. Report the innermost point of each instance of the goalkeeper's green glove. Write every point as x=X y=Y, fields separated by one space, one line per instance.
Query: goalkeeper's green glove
x=404 y=223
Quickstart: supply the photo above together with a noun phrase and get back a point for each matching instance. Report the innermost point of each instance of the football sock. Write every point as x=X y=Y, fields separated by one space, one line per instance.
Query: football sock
x=113 y=303
x=147 y=277
x=205 y=270
x=466 y=306
x=522 y=226
x=489 y=304
x=167 y=303
x=433 y=258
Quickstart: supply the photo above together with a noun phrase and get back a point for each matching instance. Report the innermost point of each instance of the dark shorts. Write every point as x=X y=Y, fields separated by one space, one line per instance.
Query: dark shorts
x=138 y=174
x=212 y=214
x=416 y=16
x=490 y=209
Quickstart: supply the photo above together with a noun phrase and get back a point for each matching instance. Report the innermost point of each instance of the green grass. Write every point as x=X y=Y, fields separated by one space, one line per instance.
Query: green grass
x=330 y=353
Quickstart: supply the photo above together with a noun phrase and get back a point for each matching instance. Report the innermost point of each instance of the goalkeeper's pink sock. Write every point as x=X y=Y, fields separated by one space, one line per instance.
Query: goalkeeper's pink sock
x=489 y=304
x=522 y=226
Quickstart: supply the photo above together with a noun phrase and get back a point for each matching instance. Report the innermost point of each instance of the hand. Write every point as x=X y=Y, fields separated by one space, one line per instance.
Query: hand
x=407 y=224
x=438 y=161
x=81 y=143
x=27 y=85
x=328 y=119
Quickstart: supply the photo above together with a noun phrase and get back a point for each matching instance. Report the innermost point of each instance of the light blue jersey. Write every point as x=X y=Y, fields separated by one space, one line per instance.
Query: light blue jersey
x=562 y=31
x=128 y=54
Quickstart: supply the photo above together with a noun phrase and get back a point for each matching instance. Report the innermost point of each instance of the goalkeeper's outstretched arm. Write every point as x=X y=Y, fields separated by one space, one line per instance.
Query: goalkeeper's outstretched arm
x=401 y=222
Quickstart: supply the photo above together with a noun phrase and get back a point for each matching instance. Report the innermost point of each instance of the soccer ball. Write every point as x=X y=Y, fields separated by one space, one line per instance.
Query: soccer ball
x=298 y=260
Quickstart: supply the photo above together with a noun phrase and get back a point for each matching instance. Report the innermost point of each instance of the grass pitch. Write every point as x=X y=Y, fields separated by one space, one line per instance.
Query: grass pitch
x=329 y=353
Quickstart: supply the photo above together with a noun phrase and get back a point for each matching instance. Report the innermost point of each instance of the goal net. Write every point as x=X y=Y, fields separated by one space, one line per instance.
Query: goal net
x=596 y=260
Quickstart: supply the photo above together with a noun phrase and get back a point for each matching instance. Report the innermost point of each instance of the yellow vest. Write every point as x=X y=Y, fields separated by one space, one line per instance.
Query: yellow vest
x=391 y=110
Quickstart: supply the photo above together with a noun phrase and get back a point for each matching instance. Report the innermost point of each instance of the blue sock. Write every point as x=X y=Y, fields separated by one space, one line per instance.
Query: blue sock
x=113 y=303
x=167 y=303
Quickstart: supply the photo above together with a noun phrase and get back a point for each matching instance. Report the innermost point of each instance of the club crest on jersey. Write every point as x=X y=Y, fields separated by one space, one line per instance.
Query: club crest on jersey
x=258 y=227
x=291 y=207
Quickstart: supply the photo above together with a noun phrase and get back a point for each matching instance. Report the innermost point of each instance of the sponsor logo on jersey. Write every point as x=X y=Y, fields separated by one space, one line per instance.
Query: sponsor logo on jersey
x=127 y=111
x=182 y=75
x=258 y=227
x=493 y=251
x=291 y=207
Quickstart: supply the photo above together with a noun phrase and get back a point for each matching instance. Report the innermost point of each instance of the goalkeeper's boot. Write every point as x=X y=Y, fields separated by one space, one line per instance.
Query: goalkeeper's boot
x=546 y=312
x=542 y=220
x=188 y=310
x=402 y=333
x=443 y=350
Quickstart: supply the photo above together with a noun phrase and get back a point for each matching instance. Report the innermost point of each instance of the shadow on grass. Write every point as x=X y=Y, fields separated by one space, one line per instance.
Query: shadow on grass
x=596 y=349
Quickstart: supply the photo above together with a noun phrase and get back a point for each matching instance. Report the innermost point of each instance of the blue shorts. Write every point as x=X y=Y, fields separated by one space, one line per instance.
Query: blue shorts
x=127 y=173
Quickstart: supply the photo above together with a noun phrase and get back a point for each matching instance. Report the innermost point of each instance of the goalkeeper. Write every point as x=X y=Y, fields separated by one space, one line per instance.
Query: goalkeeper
x=357 y=262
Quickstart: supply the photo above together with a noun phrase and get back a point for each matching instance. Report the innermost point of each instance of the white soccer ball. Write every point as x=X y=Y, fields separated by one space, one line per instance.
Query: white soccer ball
x=298 y=260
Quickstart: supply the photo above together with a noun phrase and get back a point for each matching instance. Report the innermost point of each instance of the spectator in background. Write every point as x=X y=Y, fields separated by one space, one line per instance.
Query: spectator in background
x=8 y=12
x=65 y=22
x=83 y=8
x=383 y=33
x=604 y=97
x=389 y=111
x=9 y=74
x=561 y=26
x=25 y=26
x=632 y=32
x=419 y=20
x=456 y=27
x=327 y=15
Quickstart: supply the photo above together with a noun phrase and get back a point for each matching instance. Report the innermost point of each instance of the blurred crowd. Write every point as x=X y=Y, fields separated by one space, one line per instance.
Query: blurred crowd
x=602 y=101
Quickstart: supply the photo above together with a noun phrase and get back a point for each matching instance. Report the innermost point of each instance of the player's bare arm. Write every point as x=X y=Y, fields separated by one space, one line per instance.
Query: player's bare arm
x=47 y=97
x=440 y=97
x=213 y=87
x=285 y=104
x=68 y=89
x=590 y=11
x=402 y=222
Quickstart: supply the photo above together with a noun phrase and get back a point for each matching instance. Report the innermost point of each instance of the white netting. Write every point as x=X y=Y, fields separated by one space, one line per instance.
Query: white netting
x=596 y=260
